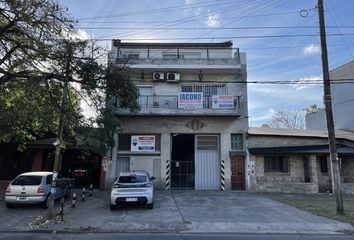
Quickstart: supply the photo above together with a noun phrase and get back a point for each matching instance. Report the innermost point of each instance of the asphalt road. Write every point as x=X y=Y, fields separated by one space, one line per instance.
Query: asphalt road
x=149 y=236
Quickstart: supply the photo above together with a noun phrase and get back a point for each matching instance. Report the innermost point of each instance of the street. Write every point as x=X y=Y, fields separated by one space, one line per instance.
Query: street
x=152 y=236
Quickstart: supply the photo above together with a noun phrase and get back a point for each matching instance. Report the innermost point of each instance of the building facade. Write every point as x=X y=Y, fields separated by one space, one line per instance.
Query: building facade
x=342 y=101
x=190 y=130
x=297 y=161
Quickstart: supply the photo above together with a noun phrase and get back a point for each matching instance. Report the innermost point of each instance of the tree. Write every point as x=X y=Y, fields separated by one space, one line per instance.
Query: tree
x=28 y=29
x=29 y=111
x=289 y=119
x=38 y=45
x=312 y=108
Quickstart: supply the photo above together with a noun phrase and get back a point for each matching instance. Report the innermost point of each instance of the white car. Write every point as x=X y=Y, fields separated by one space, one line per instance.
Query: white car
x=34 y=188
x=132 y=187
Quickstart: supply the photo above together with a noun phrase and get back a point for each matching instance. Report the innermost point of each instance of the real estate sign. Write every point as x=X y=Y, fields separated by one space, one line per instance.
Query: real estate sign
x=143 y=143
x=190 y=100
x=223 y=101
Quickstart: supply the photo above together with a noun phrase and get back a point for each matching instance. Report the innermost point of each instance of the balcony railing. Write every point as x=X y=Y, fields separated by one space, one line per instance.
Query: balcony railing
x=171 y=102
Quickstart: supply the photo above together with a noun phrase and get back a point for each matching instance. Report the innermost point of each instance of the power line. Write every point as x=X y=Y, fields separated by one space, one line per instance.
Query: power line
x=220 y=18
x=158 y=10
x=208 y=28
x=226 y=37
x=278 y=82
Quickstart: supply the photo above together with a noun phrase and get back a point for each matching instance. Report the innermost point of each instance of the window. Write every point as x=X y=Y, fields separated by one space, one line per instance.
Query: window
x=146 y=90
x=27 y=180
x=132 y=179
x=323 y=164
x=275 y=164
x=207 y=89
x=124 y=141
x=236 y=142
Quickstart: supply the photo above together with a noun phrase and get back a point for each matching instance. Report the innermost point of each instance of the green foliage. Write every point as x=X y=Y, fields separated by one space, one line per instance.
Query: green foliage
x=29 y=111
x=312 y=109
x=37 y=56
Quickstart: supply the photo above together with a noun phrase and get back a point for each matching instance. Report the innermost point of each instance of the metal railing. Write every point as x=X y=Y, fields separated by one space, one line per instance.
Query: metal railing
x=171 y=101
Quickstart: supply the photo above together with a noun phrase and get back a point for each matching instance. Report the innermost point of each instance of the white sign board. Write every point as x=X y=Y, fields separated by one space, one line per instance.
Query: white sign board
x=143 y=143
x=190 y=100
x=223 y=101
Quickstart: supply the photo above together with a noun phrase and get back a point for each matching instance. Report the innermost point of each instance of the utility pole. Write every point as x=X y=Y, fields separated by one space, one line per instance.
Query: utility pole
x=329 y=114
x=62 y=117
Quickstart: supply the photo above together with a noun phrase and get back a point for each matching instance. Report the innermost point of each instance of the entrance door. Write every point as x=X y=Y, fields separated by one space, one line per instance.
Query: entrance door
x=122 y=164
x=207 y=163
x=237 y=173
x=182 y=162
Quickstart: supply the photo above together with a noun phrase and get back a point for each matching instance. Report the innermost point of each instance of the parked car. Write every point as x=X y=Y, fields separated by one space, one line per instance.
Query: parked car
x=35 y=188
x=82 y=177
x=132 y=187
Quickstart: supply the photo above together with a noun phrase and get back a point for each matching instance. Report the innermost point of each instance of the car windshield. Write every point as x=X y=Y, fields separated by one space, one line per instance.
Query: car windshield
x=132 y=179
x=27 y=180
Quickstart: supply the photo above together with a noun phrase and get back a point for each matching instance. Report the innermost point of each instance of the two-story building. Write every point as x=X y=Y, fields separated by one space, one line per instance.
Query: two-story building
x=190 y=130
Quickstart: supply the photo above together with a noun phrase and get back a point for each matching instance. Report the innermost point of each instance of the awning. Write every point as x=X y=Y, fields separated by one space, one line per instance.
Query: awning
x=315 y=149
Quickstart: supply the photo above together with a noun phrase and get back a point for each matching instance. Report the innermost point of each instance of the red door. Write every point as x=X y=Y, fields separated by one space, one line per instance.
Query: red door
x=237 y=173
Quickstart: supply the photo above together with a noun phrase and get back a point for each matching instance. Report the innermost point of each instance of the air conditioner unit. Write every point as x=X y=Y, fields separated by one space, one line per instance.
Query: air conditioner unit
x=158 y=76
x=173 y=77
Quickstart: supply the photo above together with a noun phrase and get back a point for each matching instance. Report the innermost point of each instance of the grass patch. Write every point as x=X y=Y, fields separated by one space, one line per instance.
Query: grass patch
x=322 y=206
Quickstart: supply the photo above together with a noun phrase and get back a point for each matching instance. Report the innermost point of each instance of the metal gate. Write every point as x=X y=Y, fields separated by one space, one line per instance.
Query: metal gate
x=207 y=162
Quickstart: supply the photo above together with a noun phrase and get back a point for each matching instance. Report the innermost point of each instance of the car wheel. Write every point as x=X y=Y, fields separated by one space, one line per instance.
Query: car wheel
x=45 y=204
x=67 y=193
x=112 y=207
x=9 y=205
x=150 y=206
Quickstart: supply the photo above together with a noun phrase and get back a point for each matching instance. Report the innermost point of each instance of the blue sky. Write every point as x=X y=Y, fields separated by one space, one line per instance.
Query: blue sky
x=269 y=58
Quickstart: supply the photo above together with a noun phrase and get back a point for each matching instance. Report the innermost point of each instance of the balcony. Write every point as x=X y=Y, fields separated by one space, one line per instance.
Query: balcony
x=222 y=60
x=167 y=105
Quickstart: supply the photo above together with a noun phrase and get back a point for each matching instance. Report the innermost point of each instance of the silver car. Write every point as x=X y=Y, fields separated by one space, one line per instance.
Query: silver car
x=34 y=188
x=132 y=187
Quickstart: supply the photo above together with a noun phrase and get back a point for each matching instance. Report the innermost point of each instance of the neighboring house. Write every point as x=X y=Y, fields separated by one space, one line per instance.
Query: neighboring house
x=342 y=101
x=296 y=161
x=192 y=118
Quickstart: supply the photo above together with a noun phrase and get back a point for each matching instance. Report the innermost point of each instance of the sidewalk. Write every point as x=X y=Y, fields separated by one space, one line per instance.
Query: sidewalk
x=183 y=212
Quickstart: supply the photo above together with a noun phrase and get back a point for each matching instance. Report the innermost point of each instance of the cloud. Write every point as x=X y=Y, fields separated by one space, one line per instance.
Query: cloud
x=213 y=20
x=299 y=87
x=263 y=118
x=312 y=49
x=83 y=35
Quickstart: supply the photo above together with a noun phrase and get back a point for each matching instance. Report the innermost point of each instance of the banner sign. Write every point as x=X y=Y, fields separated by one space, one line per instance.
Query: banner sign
x=144 y=143
x=190 y=100
x=224 y=101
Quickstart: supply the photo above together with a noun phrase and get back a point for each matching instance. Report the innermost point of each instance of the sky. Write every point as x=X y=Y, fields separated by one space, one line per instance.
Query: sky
x=260 y=28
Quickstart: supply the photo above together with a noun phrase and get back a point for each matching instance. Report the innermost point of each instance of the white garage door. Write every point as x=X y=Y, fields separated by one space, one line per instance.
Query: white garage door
x=207 y=163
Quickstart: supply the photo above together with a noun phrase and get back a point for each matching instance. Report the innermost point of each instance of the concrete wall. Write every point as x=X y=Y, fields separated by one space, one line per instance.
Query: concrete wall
x=166 y=126
x=342 y=101
x=316 y=120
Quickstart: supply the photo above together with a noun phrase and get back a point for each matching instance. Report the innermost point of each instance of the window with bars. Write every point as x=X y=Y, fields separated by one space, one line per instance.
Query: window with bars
x=146 y=90
x=208 y=90
x=276 y=164
x=237 y=141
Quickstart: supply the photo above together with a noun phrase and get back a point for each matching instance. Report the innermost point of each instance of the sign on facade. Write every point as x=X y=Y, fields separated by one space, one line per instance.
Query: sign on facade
x=190 y=100
x=143 y=143
x=223 y=101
